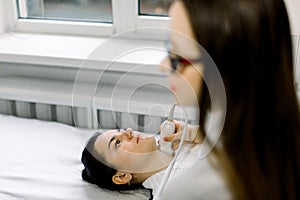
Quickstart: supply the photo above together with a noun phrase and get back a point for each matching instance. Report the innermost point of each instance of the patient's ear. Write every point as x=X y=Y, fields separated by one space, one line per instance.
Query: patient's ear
x=121 y=178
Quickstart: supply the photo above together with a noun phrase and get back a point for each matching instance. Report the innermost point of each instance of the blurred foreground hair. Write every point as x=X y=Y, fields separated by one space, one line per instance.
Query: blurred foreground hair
x=250 y=42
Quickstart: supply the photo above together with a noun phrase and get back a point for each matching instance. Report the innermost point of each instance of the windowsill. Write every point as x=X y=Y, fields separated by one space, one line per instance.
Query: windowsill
x=74 y=51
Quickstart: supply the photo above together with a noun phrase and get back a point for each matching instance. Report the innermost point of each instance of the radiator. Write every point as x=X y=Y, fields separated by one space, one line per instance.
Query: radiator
x=76 y=116
x=108 y=107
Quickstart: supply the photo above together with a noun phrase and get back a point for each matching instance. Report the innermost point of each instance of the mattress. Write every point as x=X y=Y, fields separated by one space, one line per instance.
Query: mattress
x=41 y=160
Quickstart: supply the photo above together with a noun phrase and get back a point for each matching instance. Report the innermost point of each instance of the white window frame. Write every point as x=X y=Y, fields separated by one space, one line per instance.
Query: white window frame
x=125 y=19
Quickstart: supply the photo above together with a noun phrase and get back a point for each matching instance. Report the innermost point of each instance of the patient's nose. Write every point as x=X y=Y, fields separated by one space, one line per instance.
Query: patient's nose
x=128 y=132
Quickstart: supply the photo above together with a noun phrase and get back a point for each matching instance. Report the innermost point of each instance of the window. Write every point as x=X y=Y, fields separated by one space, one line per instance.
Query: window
x=90 y=17
x=154 y=7
x=73 y=10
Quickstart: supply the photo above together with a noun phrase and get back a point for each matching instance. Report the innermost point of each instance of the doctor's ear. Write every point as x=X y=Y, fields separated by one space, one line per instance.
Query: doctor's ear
x=122 y=178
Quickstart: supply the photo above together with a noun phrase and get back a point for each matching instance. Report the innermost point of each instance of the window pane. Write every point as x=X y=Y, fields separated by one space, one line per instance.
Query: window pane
x=72 y=10
x=154 y=7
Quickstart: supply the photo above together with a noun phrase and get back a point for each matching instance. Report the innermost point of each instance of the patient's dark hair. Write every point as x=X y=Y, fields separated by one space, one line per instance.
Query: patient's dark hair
x=98 y=173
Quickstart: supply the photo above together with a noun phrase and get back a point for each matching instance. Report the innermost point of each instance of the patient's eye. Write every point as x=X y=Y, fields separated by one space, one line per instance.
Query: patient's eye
x=117 y=143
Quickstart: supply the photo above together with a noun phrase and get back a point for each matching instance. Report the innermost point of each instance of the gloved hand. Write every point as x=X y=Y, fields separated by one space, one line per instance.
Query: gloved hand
x=193 y=135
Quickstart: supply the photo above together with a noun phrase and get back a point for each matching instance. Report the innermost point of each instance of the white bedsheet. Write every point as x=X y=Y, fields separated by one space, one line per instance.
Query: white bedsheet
x=41 y=160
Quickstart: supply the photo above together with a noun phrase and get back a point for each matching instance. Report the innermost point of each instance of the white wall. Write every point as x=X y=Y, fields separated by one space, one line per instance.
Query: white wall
x=293 y=7
x=2 y=19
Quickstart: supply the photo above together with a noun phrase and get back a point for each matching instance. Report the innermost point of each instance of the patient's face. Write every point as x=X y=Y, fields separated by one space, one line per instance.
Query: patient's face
x=124 y=147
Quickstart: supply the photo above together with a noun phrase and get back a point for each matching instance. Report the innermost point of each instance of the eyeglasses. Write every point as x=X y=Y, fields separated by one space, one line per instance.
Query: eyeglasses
x=175 y=60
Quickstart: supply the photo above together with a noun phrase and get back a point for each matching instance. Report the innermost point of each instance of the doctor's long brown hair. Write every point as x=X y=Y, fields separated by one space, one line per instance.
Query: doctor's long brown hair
x=250 y=42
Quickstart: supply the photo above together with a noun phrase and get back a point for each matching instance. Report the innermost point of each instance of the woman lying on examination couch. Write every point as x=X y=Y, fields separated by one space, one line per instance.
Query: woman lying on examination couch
x=125 y=159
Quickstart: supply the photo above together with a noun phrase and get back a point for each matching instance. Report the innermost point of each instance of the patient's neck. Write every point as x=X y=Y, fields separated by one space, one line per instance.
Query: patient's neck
x=141 y=177
x=157 y=162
